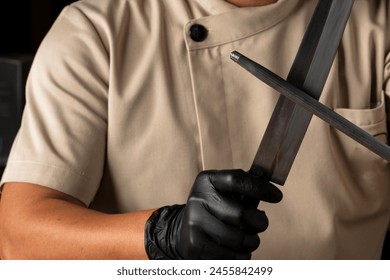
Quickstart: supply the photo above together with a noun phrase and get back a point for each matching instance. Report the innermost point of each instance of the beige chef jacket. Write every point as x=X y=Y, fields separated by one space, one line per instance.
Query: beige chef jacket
x=125 y=106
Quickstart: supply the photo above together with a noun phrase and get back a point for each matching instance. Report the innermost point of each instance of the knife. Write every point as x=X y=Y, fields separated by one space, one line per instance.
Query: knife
x=289 y=121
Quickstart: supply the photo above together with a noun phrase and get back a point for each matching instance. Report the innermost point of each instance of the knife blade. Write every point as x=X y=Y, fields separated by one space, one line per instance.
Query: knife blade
x=289 y=122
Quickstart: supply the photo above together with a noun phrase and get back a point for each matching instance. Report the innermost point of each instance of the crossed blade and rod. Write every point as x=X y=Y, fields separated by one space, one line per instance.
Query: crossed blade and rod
x=301 y=91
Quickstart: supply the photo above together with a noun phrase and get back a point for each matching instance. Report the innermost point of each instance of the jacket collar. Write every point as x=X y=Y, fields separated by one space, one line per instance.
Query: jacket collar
x=226 y=23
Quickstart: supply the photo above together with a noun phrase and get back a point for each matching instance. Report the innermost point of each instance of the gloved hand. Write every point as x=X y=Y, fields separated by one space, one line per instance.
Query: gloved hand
x=219 y=221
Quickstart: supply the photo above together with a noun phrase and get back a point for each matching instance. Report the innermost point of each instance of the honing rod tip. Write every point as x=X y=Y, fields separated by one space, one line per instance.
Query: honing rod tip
x=234 y=55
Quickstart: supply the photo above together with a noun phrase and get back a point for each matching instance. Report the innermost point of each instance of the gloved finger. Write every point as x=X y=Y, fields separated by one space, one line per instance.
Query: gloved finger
x=216 y=252
x=230 y=237
x=201 y=246
x=235 y=213
x=241 y=183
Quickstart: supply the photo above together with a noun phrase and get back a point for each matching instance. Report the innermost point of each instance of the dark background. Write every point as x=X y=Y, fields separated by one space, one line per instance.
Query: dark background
x=24 y=23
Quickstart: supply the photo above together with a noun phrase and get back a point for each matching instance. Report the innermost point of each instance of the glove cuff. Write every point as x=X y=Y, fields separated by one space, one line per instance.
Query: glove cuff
x=161 y=233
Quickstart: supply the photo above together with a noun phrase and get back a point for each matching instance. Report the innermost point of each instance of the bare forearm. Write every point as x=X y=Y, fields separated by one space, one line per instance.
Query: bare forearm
x=64 y=229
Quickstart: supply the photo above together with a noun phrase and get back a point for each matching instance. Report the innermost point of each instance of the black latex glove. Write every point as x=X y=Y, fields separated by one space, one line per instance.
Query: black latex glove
x=219 y=221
